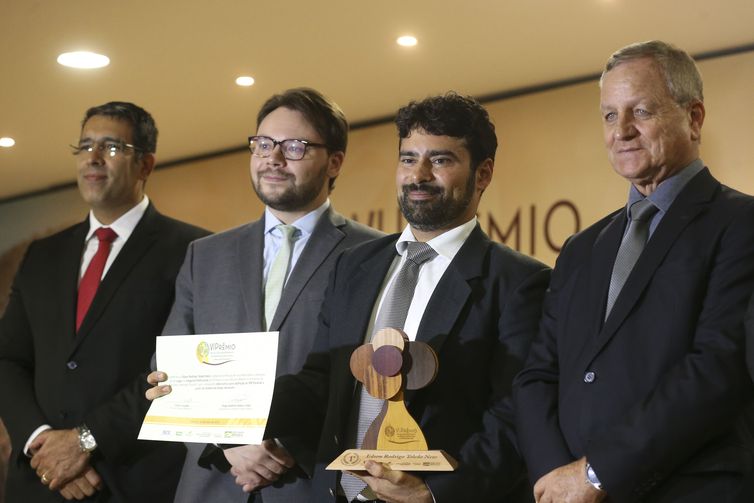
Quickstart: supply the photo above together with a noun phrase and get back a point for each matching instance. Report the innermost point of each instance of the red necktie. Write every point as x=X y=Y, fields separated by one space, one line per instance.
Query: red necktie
x=93 y=274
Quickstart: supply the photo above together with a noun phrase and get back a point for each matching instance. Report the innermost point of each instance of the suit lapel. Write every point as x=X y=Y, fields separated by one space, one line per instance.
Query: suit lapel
x=453 y=290
x=250 y=264
x=143 y=237
x=363 y=289
x=692 y=201
x=450 y=296
x=67 y=284
x=600 y=268
x=324 y=239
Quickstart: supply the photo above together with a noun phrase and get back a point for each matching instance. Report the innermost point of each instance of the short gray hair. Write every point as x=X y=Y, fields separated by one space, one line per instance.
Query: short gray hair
x=681 y=73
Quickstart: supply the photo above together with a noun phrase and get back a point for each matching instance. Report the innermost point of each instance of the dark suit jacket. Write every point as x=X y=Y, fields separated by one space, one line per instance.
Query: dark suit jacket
x=653 y=392
x=480 y=320
x=749 y=324
x=49 y=374
x=220 y=290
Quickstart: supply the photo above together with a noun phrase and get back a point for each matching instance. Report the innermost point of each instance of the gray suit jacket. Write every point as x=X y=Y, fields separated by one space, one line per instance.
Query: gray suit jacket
x=219 y=290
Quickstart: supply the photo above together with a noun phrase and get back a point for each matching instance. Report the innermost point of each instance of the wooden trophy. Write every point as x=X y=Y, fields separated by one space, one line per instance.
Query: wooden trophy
x=388 y=366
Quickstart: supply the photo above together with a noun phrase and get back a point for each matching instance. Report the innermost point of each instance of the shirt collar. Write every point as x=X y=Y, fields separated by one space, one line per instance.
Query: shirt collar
x=305 y=224
x=124 y=225
x=666 y=192
x=446 y=244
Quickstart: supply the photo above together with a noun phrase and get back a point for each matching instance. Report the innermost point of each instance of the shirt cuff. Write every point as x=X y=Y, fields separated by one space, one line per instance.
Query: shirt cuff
x=34 y=435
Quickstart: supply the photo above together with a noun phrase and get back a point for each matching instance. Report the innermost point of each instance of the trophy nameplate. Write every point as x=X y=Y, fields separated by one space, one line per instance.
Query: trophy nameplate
x=386 y=367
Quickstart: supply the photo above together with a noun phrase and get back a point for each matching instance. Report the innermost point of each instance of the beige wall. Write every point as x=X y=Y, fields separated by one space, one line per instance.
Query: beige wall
x=551 y=173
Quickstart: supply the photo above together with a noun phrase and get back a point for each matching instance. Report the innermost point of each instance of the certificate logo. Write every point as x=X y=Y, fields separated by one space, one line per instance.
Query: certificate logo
x=202 y=352
x=215 y=353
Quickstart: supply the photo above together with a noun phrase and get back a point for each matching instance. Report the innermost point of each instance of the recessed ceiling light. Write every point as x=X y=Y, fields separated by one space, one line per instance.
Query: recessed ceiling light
x=7 y=142
x=245 y=81
x=407 y=41
x=83 y=59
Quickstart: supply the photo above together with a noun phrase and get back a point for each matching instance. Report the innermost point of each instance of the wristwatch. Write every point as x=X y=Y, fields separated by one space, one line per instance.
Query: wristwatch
x=591 y=477
x=87 y=443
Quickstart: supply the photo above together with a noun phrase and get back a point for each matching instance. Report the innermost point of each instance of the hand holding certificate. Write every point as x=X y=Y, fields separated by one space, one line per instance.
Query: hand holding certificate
x=222 y=388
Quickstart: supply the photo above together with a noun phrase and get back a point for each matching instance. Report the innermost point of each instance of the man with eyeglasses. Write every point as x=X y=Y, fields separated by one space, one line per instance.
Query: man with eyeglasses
x=79 y=329
x=270 y=274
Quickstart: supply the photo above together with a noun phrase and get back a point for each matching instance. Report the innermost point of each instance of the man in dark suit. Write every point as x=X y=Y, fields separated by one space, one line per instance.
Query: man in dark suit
x=637 y=378
x=225 y=284
x=79 y=329
x=476 y=303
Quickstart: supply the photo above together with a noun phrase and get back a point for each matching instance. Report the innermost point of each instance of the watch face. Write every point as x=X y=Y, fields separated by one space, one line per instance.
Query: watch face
x=88 y=442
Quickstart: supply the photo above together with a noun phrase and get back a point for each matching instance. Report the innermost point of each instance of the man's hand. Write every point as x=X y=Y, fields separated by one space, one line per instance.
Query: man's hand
x=567 y=484
x=83 y=486
x=57 y=457
x=256 y=466
x=156 y=391
x=394 y=486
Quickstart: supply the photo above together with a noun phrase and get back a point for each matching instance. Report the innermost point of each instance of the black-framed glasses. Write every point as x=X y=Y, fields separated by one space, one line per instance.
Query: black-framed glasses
x=292 y=149
x=109 y=148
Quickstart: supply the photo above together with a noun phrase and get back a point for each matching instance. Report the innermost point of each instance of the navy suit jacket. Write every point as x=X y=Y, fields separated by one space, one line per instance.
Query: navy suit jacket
x=656 y=389
x=480 y=320
x=49 y=374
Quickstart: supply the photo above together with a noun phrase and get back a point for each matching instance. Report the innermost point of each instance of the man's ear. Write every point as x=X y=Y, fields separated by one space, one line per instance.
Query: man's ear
x=334 y=163
x=484 y=174
x=147 y=166
x=696 y=120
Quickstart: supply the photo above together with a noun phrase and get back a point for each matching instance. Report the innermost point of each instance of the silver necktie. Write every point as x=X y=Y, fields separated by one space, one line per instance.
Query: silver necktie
x=630 y=248
x=392 y=315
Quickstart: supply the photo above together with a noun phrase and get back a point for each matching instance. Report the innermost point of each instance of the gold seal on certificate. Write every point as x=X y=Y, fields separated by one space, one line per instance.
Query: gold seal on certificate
x=387 y=367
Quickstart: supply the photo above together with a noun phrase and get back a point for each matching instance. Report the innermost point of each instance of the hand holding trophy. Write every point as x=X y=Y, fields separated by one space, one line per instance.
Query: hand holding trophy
x=386 y=367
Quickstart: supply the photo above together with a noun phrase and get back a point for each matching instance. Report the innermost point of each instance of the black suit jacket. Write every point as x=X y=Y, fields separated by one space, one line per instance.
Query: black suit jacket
x=480 y=320
x=655 y=390
x=49 y=374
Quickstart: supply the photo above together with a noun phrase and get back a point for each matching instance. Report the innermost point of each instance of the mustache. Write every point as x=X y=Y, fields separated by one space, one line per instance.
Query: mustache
x=273 y=171
x=421 y=187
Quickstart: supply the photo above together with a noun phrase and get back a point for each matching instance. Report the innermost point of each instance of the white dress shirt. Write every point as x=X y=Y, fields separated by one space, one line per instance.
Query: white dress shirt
x=446 y=245
x=273 y=237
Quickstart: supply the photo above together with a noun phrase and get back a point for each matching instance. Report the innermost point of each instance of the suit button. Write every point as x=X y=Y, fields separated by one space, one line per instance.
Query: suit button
x=72 y=365
x=589 y=377
x=63 y=414
x=335 y=437
x=332 y=492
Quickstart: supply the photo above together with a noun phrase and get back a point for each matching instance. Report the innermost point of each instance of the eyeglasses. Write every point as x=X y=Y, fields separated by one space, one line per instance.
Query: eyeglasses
x=293 y=150
x=110 y=148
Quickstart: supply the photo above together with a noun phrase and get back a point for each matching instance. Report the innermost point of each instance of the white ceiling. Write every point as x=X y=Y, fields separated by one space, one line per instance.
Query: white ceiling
x=179 y=60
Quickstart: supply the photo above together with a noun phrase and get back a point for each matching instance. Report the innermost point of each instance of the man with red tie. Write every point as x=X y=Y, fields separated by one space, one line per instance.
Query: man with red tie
x=79 y=329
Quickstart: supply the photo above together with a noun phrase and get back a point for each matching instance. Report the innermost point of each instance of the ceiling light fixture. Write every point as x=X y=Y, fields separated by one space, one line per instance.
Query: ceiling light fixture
x=407 y=41
x=7 y=142
x=245 y=81
x=83 y=59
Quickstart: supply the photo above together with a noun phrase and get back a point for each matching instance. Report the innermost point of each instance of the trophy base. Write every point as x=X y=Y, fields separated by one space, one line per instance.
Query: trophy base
x=414 y=461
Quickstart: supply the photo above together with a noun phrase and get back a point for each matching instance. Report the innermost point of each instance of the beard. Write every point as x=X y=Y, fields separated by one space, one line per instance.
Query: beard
x=293 y=197
x=438 y=213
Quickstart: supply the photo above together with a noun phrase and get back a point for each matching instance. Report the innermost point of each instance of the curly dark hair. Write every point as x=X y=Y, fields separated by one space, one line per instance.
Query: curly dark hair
x=452 y=115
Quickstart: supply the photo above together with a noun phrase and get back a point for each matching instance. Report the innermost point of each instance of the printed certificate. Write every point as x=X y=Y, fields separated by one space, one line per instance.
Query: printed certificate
x=221 y=388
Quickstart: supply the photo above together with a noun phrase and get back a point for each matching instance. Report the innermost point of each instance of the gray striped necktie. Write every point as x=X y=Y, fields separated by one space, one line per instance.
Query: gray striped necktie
x=273 y=288
x=630 y=248
x=392 y=315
